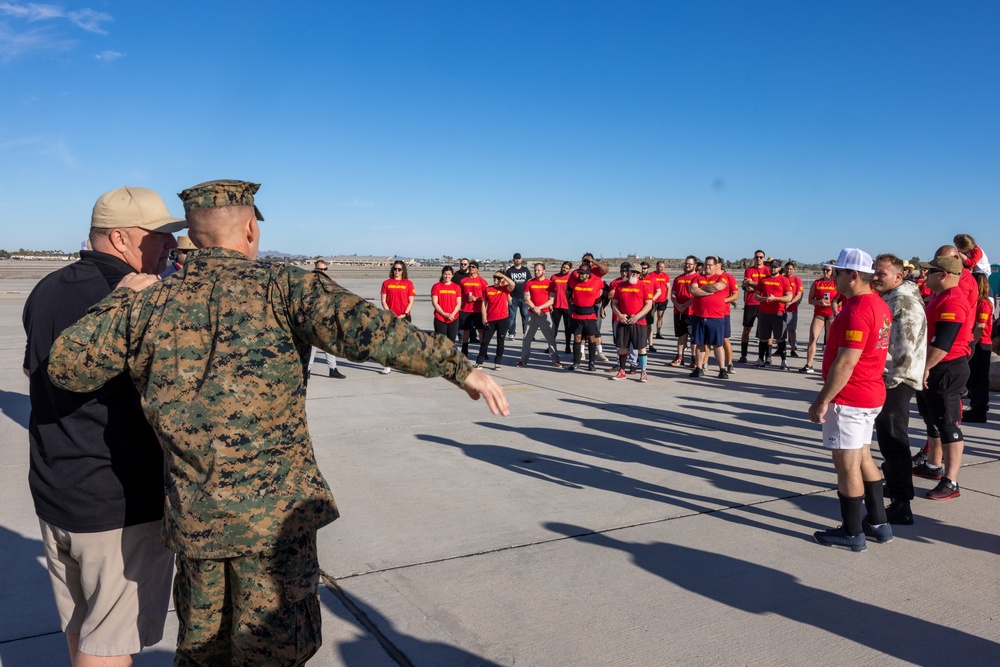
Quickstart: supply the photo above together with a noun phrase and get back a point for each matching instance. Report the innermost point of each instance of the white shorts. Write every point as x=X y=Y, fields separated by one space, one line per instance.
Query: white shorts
x=847 y=427
x=111 y=587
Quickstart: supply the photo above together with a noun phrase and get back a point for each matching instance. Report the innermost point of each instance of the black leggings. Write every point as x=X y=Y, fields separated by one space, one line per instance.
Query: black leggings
x=446 y=329
x=498 y=327
x=562 y=314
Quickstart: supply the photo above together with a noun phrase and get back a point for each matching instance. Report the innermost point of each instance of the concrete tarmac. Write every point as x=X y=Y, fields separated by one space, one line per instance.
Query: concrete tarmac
x=601 y=523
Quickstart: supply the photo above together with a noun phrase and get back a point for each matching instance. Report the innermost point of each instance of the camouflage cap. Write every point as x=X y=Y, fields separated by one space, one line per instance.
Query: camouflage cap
x=221 y=193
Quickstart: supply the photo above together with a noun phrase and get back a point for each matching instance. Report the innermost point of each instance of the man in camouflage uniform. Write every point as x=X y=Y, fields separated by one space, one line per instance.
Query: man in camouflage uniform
x=218 y=354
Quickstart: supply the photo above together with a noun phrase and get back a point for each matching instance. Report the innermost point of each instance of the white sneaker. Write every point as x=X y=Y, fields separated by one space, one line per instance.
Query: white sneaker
x=385 y=371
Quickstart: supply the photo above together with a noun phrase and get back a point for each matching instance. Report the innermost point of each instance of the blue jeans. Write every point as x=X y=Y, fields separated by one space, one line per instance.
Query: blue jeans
x=514 y=306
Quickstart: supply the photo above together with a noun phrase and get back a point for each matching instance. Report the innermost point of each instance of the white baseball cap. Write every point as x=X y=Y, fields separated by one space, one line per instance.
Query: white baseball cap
x=853 y=259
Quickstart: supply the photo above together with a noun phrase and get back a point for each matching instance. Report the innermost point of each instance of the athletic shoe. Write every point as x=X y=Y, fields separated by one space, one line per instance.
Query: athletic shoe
x=808 y=370
x=704 y=367
x=496 y=367
x=658 y=336
x=793 y=353
x=620 y=375
x=784 y=366
x=730 y=369
x=760 y=364
x=643 y=377
x=603 y=359
x=767 y=361
x=945 y=490
x=477 y=365
x=571 y=367
x=334 y=373
x=919 y=457
x=838 y=537
x=696 y=373
x=974 y=417
x=557 y=364
x=928 y=471
x=723 y=374
x=742 y=360
x=591 y=366
x=387 y=370
x=521 y=364
x=510 y=337
x=677 y=361
x=652 y=348
x=632 y=370
x=881 y=533
x=898 y=513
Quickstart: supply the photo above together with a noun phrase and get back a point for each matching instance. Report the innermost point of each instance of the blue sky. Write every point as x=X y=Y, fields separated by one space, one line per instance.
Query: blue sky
x=485 y=128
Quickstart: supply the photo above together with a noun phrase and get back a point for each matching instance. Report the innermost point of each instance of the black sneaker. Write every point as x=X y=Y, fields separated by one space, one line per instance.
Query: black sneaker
x=730 y=369
x=652 y=348
x=945 y=490
x=334 y=373
x=591 y=366
x=741 y=360
x=838 y=537
x=658 y=336
x=919 y=457
x=928 y=471
x=696 y=373
x=723 y=374
x=881 y=533
x=807 y=370
x=898 y=513
x=571 y=367
x=793 y=353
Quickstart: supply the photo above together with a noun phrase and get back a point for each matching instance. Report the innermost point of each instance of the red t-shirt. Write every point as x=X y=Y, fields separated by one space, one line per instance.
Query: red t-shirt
x=821 y=287
x=397 y=294
x=496 y=302
x=538 y=291
x=448 y=297
x=970 y=287
x=796 y=284
x=973 y=258
x=733 y=289
x=661 y=281
x=474 y=286
x=631 y=298
x=754 y=274
x=713 y=305
x=984 y=315
x=862 y=324
x=612 y=289
x=951 y=306
x=585 y=295
x=925 y=291
x=773 y=286
x=682 y=288
x=559 y=290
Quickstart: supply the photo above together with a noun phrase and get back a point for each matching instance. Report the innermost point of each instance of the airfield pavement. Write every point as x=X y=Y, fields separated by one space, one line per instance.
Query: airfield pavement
x=601 y=523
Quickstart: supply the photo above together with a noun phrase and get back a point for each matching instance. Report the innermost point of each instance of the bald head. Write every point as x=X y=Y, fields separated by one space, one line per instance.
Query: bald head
x=233 y=227
x=947 y=251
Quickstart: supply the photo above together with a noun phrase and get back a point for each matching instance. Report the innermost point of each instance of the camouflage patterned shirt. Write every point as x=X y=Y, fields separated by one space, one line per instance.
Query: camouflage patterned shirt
x=218 y=355
x=908 y=338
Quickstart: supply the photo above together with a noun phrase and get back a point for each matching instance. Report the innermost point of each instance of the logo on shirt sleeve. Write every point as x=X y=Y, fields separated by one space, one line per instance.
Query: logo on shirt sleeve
x=950 y=317
x=853 y=336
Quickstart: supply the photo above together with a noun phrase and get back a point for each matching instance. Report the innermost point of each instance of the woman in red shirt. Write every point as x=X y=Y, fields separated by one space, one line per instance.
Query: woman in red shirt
x=446 y=297
x=494 y=309
x=823 y=298
x=397 y=295
x=979 y=364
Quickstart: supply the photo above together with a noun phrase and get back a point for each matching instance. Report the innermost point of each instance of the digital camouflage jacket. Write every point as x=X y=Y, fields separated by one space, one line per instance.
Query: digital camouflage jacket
x=218 y=354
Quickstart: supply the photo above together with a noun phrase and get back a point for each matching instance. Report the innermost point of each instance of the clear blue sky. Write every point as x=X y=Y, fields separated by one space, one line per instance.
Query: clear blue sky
x=484 y=128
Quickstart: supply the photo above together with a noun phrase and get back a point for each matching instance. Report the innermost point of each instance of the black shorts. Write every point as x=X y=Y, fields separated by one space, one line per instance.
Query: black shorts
x=468 y=320
x=660 y=306
x=631 y=335
x=749 y=315
x=770 y=326
x=682 y=322
x=586 y=328
x=940 y=405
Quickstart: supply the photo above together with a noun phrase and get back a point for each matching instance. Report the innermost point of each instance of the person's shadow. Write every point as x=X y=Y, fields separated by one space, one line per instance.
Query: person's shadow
x=15 y=406
x=758 y=589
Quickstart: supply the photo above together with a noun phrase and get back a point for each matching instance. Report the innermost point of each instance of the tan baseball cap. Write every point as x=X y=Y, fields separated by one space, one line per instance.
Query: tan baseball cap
x=134 y=207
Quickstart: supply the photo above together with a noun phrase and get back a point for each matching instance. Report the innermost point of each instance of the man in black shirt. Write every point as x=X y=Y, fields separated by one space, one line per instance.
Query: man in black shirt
x=519 y=274
x=96 y=467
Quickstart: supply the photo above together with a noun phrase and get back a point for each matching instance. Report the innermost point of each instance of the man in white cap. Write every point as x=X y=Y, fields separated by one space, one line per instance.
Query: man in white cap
x=851 y=398
x=96 y=468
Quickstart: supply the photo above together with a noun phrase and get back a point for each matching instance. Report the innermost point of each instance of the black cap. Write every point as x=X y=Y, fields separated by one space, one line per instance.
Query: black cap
x=625 y=266
x=584 y=268
x=517 y=255
x=473 y=263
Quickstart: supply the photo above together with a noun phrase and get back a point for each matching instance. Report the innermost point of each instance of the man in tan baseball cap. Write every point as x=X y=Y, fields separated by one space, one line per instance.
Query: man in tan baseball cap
x=179 y=256
x=134 y=225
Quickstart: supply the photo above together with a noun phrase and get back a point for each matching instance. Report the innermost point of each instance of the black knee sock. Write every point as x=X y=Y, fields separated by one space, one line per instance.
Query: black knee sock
x=622 y=360
x=743 y=349
x=592 y=352
x=762 y=349
x=781 y=349
x=577 y=352
x=850 y=513
x=465 y=348
x=875 y=503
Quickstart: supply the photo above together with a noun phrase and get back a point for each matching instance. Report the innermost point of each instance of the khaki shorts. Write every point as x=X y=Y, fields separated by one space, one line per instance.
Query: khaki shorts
x=847 y=427
x=111 y=587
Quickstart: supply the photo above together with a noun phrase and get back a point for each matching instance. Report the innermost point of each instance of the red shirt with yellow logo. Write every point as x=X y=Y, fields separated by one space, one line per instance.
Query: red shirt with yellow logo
x=585 y=295
x=754 y=274
x=661 y=281
x=631 y=298
x=951 y=305
x=863 y=324
x=714 y=305
x=496 y=302
x=772 y=286
x=682 y=288
x=984 y=315
x=474 y=286
x=559 y=290
x=397 y=294
x=821 y=287
x=538 y=291
x=448 y=296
